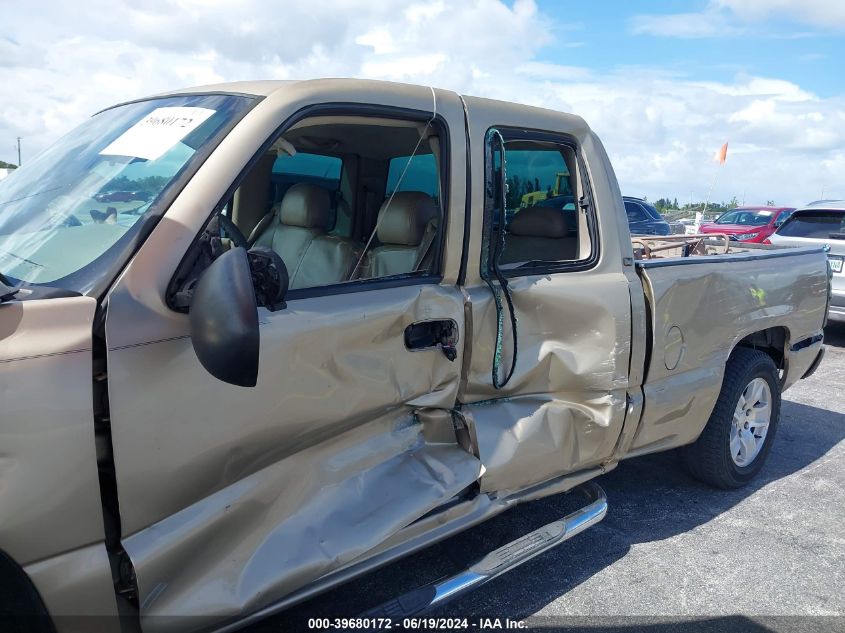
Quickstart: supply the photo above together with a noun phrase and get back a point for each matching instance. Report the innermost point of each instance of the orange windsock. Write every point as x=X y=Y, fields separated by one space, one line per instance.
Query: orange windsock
x=721 y=155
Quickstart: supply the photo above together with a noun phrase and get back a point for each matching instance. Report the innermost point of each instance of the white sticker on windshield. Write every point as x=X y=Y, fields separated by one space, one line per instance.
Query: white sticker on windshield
x=157 y=132
x=764 y=213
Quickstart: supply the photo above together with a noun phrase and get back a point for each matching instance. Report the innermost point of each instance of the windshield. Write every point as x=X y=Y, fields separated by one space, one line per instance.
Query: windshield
x=747 y=217
x=65 y=216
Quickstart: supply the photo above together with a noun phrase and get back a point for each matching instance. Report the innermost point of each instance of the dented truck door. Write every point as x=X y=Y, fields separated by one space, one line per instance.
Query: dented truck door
x=560 y=407
x=233 y=497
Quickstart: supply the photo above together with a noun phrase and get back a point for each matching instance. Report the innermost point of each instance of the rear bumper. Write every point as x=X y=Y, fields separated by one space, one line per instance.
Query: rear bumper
x=815 y=364
x=836 y=310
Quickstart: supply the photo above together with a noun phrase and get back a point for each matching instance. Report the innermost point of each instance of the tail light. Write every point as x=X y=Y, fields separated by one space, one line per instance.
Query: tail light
x=766 y=241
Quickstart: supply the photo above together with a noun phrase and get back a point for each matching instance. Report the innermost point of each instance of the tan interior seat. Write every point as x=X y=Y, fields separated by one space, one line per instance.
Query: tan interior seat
x=301 y=217
x=407 y=225
x=539 y=233
x=328 y=259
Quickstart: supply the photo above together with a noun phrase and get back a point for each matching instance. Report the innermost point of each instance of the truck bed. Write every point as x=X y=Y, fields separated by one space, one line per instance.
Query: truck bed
x=701 y=304
x=698 y=245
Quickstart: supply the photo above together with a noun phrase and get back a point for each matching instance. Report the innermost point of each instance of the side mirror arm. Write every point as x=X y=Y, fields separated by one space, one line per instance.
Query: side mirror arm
x=269 y=277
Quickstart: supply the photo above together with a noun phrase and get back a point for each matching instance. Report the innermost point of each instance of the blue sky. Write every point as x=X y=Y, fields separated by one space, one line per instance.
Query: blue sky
x=664 y=84
x=602 y=36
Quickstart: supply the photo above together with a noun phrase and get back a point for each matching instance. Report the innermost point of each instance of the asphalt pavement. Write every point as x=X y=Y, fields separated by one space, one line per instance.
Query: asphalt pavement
x=672 y=554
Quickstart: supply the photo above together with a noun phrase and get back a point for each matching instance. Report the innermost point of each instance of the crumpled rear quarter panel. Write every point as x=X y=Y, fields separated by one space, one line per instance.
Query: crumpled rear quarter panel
x=715 y=305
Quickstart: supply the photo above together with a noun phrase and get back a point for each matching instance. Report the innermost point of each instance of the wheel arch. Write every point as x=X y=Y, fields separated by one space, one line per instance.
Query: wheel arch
x=773 y=341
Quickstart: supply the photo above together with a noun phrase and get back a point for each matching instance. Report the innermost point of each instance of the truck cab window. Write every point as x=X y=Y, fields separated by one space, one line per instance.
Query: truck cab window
x=346 y=199
x=543 y=223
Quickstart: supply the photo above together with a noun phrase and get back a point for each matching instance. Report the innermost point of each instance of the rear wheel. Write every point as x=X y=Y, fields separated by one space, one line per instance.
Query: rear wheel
x=738 y=437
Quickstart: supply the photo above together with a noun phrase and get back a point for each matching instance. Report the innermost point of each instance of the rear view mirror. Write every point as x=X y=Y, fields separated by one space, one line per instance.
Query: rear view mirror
x=224 y=320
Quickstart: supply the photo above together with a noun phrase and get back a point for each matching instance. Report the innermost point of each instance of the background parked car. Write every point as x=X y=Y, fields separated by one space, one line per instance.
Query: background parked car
x=817 y=224
x=748 y=224
x=644 y=219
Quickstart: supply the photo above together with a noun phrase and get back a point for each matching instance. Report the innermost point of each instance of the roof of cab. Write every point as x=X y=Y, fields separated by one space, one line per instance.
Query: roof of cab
x=265 y=88
x=260 y=88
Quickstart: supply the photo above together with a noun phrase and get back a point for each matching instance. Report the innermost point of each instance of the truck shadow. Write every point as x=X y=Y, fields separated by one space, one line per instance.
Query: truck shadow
x=650 y=498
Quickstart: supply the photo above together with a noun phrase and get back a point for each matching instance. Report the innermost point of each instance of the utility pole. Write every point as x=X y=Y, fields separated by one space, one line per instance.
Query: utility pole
x=19 y=151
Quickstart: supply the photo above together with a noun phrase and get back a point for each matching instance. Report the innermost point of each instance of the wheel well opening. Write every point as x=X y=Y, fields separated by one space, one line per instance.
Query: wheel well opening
x=772 y=341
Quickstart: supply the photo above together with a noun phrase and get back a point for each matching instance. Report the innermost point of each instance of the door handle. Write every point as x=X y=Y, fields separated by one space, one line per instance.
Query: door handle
x=439 y=333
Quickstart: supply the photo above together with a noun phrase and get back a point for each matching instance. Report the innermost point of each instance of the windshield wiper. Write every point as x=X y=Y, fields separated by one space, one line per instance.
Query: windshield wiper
x=837 y=236
x=32 y=195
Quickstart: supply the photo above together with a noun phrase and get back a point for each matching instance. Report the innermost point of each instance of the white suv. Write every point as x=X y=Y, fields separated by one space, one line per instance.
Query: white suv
x=821 y=222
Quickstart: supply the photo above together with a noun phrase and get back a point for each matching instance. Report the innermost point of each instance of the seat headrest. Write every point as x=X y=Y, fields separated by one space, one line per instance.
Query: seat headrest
x=539 y=222
x=306 y=205
x=404 y=220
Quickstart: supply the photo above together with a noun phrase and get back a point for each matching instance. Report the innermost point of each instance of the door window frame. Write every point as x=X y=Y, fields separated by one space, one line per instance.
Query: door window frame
x=363 y=110
x=510 y=133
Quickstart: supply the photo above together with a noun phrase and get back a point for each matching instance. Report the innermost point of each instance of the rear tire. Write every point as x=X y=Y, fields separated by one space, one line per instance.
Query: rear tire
x=739 y=434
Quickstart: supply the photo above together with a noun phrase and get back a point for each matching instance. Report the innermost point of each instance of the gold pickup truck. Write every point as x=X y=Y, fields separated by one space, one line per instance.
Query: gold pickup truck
x=257 y=339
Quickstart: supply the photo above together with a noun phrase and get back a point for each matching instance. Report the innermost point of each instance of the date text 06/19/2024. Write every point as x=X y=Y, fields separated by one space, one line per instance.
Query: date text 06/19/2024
x=410 y=624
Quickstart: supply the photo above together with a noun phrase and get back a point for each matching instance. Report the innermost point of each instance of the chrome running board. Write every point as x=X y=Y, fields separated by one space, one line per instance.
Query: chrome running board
x=498 y=561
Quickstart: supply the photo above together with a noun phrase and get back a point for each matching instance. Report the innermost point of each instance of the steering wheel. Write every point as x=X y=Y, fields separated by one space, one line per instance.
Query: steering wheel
x=232 y=231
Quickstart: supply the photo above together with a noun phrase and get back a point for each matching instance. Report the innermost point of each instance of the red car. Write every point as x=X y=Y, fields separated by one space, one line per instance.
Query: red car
x=748 y=224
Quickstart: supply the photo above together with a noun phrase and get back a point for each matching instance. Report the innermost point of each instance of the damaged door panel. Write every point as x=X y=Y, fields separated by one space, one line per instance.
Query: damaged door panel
x=336 y=395
x=307 y=514
x=564 y=408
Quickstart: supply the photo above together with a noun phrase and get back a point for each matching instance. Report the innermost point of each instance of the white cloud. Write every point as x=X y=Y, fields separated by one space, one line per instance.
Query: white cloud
x=546 y=71
x=380 y=40
x=660 y=129
x=728 y=18
x=828 y=14
x=708 y=23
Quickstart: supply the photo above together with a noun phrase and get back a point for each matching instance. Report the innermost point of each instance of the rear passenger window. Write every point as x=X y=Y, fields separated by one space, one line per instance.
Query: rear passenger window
x=420 y=174
x=317 y=169
x=542 y=222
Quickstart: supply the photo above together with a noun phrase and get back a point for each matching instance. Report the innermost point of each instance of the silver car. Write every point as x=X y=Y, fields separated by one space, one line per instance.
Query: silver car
x=821 y=222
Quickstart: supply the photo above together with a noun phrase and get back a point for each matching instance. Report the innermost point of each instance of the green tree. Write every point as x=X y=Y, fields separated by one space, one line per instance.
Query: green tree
x=5 y=165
